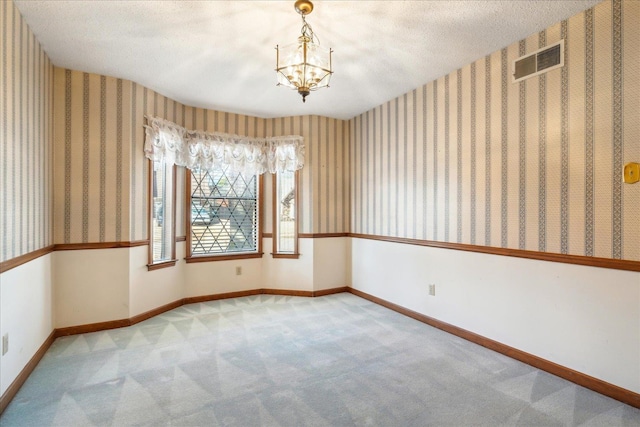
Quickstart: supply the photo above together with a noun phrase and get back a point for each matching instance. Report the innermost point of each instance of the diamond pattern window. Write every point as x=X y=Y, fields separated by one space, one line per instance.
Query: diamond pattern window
x=224 y=213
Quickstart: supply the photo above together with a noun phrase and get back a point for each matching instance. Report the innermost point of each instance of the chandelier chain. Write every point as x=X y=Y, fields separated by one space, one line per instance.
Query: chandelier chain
x=307 y=31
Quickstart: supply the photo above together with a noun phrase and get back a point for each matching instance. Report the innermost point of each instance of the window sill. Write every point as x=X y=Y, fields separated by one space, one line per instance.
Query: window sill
x=163 y=264
x=223 y=257
x=286 y=256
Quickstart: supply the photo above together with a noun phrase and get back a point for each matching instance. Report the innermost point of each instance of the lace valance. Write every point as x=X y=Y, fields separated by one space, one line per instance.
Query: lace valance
x=168 y=142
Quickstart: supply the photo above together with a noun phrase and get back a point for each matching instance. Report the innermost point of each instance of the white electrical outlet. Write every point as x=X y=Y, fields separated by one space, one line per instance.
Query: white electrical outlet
x=432 y=289
x=5 y=343
x=238 y=271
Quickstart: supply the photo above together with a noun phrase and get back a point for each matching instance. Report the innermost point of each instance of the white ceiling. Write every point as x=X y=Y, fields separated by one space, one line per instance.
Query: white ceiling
x=220 y=54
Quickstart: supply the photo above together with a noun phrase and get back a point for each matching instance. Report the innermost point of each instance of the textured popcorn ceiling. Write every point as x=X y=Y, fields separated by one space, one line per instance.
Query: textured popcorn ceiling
x=220 y=54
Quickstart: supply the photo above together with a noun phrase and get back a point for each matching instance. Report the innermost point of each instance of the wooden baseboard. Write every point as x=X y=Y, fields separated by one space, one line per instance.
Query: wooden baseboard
x=331 y=291
x=623 y=395
x=265 y=291
x=154 y=312
x=113 y=324
x=214 y=297
x=92 y=327
x=12 y=390
x=286 y=292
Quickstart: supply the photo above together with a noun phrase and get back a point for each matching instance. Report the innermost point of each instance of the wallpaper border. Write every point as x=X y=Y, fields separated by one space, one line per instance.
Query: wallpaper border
x=616 y=264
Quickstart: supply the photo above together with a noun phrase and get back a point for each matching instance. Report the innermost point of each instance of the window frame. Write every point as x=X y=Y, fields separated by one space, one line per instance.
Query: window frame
x=191 y=258
x=275 y=229
x=151 y=264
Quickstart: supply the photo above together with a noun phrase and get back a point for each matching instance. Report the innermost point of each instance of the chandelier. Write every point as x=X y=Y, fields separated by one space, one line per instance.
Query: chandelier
x=305 y=65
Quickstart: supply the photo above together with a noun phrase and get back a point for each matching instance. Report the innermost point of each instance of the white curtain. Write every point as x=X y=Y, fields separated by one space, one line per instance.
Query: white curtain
x=166 y=141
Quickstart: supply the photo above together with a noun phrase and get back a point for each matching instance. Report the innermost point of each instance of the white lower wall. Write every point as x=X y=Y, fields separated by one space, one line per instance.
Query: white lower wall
x=91 y=286
x=289 y=274
x=218 y=277
x=583 y=318
x=153 y=289
x=99 y=285
x=323 y=264
x=331 y=262
x=25 y=314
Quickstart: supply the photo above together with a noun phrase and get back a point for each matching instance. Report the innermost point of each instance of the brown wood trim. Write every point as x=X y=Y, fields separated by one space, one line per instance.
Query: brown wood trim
x=98 y=245
x=223 y=257
x=150 y=211
x=331 y=291
x=174 y=203
x=12 y=390
x=286 y=256
x=160 y=265
x=92 y=327
x=265 y=291
x=623 y=395
x=287 y=292
x=214 y=297
x=261 y=211
x=274 y=210
x=23 y=259
x=187 y=209
x=617 y=264
x=321 y=235
x=154 y=312
x=267 y=235
x=181 y=239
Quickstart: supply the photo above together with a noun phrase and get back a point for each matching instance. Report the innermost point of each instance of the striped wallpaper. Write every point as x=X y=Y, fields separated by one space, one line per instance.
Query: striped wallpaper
x=25 y=138
x=470 y=158
x=477 y=159
x=92 y=124
x=324 y=195
x=147 y=102
x=100 y=177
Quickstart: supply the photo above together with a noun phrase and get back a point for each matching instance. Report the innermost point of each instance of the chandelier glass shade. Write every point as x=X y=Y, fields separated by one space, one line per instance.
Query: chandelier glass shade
x=305 y=65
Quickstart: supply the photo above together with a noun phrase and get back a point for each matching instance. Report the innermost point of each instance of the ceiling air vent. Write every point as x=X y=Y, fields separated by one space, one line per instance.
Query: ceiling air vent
x=538 y=62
